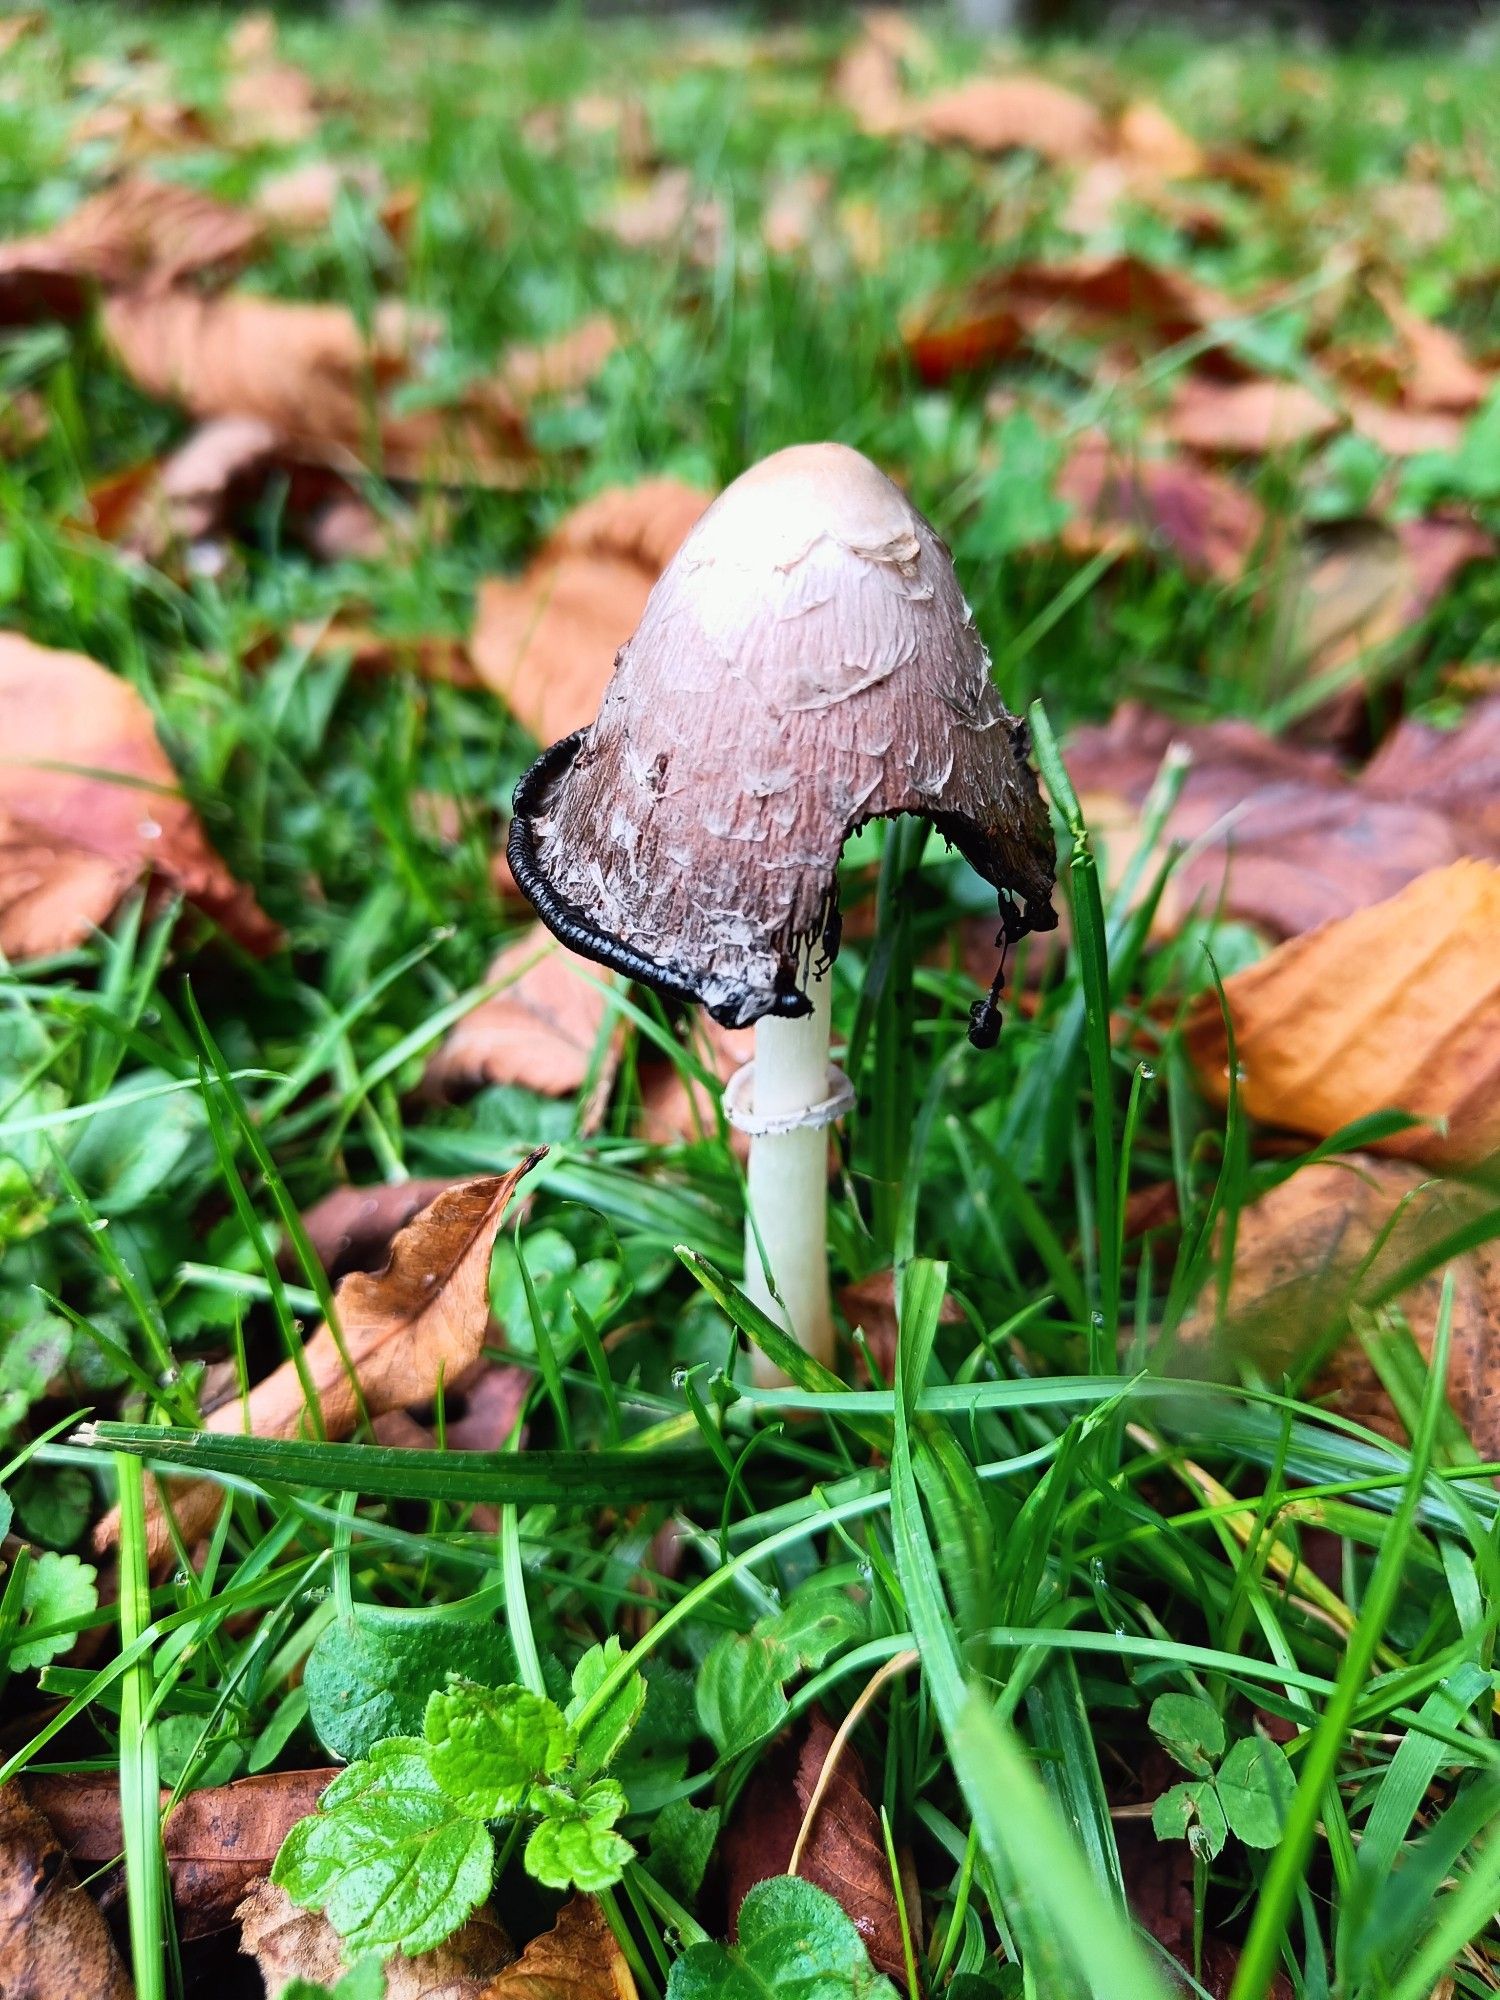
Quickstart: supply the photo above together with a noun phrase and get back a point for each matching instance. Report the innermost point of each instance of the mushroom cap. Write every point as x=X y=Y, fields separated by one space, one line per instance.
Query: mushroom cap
x=805 y=663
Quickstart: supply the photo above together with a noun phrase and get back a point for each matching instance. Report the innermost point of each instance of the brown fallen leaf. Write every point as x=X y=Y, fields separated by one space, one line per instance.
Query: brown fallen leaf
x=560 y=366
x=1148 y=138
x=1394 y=1008
x=1144 y=505
x=1358 y=586
x=1455 y=771
x=844 y=1853
x=870 y=1305
x=1438 y=373
x=1330 y=1239
x=309 y=372
x=267 y=102
x=1111 y=295
x=1276 y=835
x=140 y=232
x=89 y=804
x=140 y=119
x=1004 y=114
x=54 y=1944
x=541 y=1031
x=1248 y=419
x=217 y=1841
x=667 y=211
x=578 y=1959
x=351 y=1228
x=405 y=1328
x=546 y=642
x=299 y=201
x=677 y=1110
x=870 y=76
x=288 y=1943
x=1404 y=432
x=431 y=656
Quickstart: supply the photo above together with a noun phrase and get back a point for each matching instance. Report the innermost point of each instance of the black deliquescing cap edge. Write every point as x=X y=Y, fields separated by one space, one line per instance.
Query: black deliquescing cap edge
x=574 y=927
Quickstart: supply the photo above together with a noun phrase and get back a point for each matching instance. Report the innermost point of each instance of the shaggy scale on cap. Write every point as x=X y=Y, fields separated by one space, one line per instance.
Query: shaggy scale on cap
x=806 y=663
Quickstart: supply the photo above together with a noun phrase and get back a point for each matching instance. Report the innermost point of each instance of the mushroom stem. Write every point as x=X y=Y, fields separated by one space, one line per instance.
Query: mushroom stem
x=789 y=1181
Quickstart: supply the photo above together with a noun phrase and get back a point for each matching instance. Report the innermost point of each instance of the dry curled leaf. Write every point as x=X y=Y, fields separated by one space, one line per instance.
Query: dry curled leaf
x=546 y=642
x=54 y=1944
x=309 y=372
x=578 y=1959
x=418 y=1321
x=217 y=1841
x=351 y=1228
x=844 y=1853
x=1248 y=419
x=1117 y=296
x=288 y=1943
x=1394 y=1008
x=541 y=1031
x=1329 y=1241
x=139 y=232
x=89 y=804
x=1276 y=835
x=1004 y=114
x=1360 y=585
x=1138 y=505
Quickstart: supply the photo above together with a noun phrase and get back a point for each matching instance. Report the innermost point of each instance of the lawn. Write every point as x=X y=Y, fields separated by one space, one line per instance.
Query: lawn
x=1118 y=1617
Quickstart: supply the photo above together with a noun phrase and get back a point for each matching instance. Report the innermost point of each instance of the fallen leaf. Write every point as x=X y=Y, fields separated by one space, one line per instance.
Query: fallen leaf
x=666 y=211
x=559 y=366
x=1141 y=505
x=1394 y=1008
x=870 y=1305
x=844 y=1852
x=351 y=1228
x=1248 y=419
x=1455 y=771
x=1330 y=1239
x=1439 y=374
x=539 y=1032
x=796 y=213
x=140 y=232
x=677 y=1110
x=485 y=1405
x=1148 y=138
x=419 y=1321
x=870 y=75
x=53 y=1941
x=1110 y=295
x=217 y=1841
x=431 y=656
x=578 y=1959
x=1403 y=432
x=141 y=120
x=1358 y=586
x=288 y=1943
x=546 y=643
x=309 y=373
x=89 y=803
x=1003 y=114
x=267 y=102
x=1275 y=834
x=300 y=201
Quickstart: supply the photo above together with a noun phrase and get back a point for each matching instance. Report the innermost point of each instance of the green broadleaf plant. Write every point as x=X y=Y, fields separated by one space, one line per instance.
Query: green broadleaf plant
x=400 y=1852
x=1245 y=1791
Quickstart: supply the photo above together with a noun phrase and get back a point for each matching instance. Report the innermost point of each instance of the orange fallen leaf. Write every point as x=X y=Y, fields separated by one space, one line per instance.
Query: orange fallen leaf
x=217 y=1840
x=546 y=643
x=1439 y=373
x=351 y=1228
x=267 y=102
x=1004 y=114
x=300 y=200
x=309 y=372
x=1276 y=836
x=52 y=1937
x=668 y=211
x=418 y=1321
x=1329 y=1240
x=1403 y=432
x=289 y=1944
x=1116 y=296
x=870 y=76
x=1137 y=504
x=558 y=367
x=89 y=804
x=1147 y=137
x=676 y=1109
x=539 y=1032
x=1394 y=1008
x=1248 y=419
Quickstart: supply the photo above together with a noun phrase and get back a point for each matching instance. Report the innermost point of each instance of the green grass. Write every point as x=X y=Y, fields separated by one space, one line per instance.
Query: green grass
x=1021 y=1505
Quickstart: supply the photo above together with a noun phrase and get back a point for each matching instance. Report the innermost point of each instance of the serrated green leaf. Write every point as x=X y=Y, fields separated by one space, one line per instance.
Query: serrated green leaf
x=369 y=1676
x=601 y=1742
x=1191 y=1812
x=682 y=1843
x=740 y=1696
x=795 y=1943
x=54 y=1503
x=1256 y=1786
x=388 y=1856
x=489 y=1746
x=580 y=1853
x=1190 y=1729
x=54 y=1589
x=365 y=1981
x=816 y=1620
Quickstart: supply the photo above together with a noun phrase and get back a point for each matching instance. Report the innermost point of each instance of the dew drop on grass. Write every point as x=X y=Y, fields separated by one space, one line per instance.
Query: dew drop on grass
x=1148 y=1073
x=1096 y=1317
x=679 y=1378
x=99 y=1224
